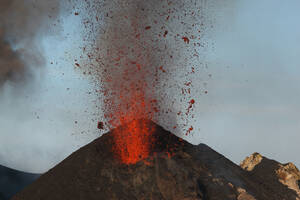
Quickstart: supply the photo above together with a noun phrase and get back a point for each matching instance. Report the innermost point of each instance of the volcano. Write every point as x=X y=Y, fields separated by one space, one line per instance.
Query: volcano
x=174 y=170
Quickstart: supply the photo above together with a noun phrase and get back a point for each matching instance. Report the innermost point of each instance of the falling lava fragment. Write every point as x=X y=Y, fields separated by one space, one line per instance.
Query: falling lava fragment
x=186 y=40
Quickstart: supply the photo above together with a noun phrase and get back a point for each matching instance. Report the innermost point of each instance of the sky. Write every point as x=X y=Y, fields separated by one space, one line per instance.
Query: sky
x=251 y=105
x=254 y=95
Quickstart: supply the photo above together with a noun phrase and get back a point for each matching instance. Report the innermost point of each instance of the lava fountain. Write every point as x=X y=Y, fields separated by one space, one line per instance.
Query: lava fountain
x=139 y=50
x=128 y=88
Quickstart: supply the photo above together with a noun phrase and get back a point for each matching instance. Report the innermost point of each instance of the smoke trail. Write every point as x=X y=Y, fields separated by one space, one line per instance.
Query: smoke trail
x=21 y=23
x=24 y=28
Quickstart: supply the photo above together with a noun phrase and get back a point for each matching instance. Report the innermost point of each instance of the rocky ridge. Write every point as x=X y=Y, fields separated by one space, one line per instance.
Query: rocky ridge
x=273 y=171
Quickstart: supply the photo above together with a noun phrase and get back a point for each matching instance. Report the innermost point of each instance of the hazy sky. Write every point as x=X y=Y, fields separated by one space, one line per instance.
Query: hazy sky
x=251 y=105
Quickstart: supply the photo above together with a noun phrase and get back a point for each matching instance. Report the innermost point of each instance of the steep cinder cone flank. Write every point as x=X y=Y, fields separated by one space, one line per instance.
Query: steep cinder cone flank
x=175 y=170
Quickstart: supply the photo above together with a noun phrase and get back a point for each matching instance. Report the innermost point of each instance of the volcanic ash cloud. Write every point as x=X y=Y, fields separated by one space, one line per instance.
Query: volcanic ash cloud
x=21 y=24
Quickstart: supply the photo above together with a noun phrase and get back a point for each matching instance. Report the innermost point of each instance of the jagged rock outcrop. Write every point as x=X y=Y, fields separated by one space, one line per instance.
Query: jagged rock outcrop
x=289 y=175
x=191 y=173
x=251 y=161
x=273 y=172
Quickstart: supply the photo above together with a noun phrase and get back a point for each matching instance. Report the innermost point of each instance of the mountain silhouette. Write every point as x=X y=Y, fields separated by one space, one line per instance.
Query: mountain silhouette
x=13 y=181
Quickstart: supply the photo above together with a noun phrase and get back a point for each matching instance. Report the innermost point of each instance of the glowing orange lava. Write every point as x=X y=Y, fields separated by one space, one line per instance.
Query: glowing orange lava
x=128 y=83
x=133 y=141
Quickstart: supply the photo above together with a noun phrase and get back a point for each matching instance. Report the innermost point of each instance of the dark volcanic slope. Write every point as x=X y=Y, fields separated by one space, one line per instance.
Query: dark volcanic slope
x=193 y=172
x=13 y=181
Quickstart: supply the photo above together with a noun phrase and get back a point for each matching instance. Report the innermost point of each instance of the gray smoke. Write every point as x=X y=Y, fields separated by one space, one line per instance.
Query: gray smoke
x=21 y=23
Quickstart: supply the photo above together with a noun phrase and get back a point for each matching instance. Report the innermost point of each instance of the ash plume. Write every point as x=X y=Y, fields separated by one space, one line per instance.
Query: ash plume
x=21 y=23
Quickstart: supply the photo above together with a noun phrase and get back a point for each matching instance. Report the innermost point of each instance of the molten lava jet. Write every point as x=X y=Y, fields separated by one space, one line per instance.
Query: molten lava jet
x=133 y=141
x=128 y=82
x=136 y=54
